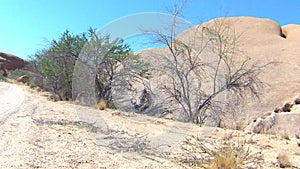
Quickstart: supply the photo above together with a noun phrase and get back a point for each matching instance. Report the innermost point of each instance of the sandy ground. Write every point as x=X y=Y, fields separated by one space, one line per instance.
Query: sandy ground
x=38 y=133
x=11 y=98
x=44 y=134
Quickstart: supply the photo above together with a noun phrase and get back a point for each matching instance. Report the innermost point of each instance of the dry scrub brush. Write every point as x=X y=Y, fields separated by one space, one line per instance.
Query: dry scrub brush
x=283 y=160
x=223 y=155
x=286 y=135
x=102 y=105
x=204 y=68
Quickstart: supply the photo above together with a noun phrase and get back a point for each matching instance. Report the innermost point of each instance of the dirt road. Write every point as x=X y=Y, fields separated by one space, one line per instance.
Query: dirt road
x=38 y=133
x=11 y=98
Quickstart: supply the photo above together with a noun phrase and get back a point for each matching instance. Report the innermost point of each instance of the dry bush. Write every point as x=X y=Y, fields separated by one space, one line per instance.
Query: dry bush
x=225 y=154
x=102 y=105
x=283 y=160
x=38 y=89
x=225 y=158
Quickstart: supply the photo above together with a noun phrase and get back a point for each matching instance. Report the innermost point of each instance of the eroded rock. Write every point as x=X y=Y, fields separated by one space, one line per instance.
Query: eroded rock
x=261 y=125
x=11 y=62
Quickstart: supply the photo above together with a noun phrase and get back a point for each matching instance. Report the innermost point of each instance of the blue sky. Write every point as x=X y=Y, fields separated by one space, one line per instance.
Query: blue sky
x=27 y=25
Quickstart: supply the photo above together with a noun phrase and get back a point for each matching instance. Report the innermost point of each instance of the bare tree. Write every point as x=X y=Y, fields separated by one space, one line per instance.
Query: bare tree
x=201 y=72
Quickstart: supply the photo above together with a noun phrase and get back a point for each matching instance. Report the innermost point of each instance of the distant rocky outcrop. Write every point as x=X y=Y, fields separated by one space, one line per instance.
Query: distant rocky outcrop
x=11 y=62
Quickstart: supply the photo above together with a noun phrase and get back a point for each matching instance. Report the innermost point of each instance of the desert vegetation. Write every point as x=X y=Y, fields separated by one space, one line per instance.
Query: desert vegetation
x=208 y=76
x=200 y=83
x=284 y=160
x=227 y=154
x=56 y=64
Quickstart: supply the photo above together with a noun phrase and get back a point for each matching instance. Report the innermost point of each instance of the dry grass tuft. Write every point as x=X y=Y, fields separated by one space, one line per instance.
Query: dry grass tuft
x=102 y=105
x=226 y=158
x=286 y=135
x=283 y=160
x=228 y=155
x=38 y=89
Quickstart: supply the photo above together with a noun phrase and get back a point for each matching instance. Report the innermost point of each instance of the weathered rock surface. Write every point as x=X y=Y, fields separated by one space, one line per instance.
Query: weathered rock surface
x=11 y=62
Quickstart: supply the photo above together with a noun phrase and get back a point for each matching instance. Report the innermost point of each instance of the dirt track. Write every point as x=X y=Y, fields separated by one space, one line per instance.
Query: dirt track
x=38 y=133
x=11 y=98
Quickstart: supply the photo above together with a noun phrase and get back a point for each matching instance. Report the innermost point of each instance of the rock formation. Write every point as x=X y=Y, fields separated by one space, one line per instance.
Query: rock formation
x=11 y=62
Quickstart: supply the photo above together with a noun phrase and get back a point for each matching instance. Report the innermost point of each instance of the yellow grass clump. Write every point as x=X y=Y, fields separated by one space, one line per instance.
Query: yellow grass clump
x=102 y=104
x=230 y=154
x=286 y=135
x=283 y=160
x=226 y=159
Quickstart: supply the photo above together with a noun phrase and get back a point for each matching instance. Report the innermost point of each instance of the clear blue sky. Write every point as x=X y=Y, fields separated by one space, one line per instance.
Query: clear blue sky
x=27 y=25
